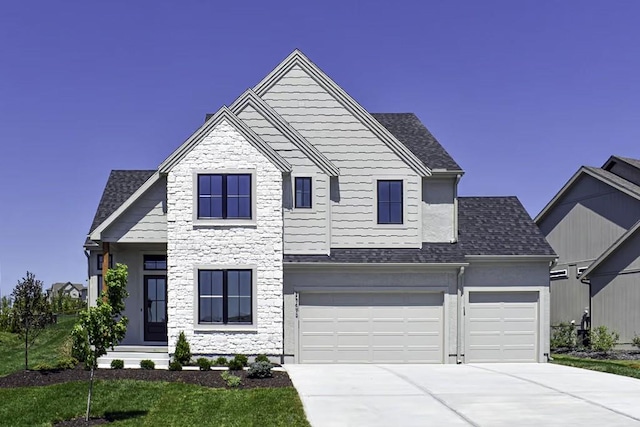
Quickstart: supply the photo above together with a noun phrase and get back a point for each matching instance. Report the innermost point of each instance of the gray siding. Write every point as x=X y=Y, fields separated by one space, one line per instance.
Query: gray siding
x=588 y=219
x=569 y=297
x=144 y=221
x=361 y=157
x=306 y=231
x=615 y=291
x=438 y=212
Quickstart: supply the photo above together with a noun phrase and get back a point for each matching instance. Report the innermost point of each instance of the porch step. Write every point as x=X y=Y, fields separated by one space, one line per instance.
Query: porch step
x=132 y=355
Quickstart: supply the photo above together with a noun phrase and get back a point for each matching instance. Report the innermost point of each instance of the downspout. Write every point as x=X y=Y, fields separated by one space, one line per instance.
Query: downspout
x=459 y=354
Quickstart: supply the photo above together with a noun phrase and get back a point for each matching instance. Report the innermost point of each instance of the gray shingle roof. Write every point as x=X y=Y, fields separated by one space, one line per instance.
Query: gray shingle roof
x=498 y=226
x=120 y=186
x=409 y=130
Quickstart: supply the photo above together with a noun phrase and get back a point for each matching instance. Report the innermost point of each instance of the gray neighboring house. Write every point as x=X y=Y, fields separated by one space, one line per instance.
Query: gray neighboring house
x=73 y=290
x=593 y=225
x=297 y=224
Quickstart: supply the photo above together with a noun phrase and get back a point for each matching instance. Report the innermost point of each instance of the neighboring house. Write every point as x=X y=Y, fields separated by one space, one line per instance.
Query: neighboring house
x=297 y=224
x=593 y=225
x=73 y=290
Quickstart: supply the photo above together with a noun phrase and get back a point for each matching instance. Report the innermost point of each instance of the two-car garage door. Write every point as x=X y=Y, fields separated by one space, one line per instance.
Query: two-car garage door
x=370 y=327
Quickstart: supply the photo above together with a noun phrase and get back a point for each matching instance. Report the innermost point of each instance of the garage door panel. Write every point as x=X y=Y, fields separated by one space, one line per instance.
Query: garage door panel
x=371 y=327
x=502 y=327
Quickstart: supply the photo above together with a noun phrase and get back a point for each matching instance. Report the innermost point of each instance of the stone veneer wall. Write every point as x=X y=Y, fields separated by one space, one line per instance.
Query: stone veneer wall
x=259 y=245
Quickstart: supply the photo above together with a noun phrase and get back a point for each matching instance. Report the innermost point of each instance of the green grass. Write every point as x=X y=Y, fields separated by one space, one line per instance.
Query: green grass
x=140 y=403
x=628 y=368
x=44 y=350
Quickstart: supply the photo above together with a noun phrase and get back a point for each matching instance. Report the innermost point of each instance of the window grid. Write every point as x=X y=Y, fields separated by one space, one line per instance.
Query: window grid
x=223 y=196
x=303 y=192
x=226 y=280
x=155 y=262
x=390 y=204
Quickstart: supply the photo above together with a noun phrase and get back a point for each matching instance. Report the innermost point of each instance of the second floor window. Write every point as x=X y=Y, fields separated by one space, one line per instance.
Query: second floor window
x=390 y=202
x=223 y=196
x=303 y=192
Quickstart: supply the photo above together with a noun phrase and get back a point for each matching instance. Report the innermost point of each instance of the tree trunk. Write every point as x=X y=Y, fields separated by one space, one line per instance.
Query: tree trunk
x=26 y=348
x=89 y=397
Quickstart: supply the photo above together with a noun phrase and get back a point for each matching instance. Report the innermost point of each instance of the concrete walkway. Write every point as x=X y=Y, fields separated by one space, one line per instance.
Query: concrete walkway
x=465 y=395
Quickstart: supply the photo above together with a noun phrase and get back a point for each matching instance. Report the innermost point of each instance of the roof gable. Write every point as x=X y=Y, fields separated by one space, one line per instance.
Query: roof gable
x=611 y=250
x=298 y=59
x=249 y=98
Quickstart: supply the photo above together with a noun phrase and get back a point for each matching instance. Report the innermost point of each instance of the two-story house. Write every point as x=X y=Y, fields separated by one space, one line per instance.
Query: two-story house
x=297 y=224
x=593 y=223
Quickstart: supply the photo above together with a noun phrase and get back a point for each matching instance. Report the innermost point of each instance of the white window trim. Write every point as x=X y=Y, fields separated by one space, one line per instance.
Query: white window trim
x=558 y=274
x=232 y=222
x=253 y=326
x=580 y=270
x=405 y=181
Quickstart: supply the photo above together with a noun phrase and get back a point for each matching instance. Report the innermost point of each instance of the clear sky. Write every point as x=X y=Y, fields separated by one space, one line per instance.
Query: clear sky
x=521 y=93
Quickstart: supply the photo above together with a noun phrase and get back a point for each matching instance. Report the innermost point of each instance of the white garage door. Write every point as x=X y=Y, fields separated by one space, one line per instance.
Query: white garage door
x=371 y=327
x=502 y=327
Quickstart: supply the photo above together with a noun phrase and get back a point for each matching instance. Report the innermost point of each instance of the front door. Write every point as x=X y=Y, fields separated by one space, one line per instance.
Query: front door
x=155 y=319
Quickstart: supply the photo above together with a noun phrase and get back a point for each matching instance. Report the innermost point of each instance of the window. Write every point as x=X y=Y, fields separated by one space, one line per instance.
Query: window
x=101 y=258
x=99 y=285
x=155 y=262
x=558 y=274
x=223 y=196
x=390 y=202
x=224 y=296
x=303 y=192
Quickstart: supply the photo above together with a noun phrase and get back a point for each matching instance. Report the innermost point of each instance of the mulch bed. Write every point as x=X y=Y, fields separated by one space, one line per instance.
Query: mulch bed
x=601 y=355
x=202 y=378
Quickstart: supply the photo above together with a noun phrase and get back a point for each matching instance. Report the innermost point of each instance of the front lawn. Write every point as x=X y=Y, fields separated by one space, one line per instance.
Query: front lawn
x=628 y=368
x=44 y=350
x=135 y=403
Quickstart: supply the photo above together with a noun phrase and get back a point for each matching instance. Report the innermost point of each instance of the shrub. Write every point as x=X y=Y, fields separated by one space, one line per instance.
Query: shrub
x=147 y=364
x=183 y=350
x=230 y=379
x=563 y=335
x=242 y=359
x=260 y=370
x=44 y=367
x=204 y=364
x=117 y=364
x=79 y=344
x=221 y=361
x=235 y=365
x=174 y=365
x=602 y=339
x=262 y=358
x=635 y=341
x=66 y=363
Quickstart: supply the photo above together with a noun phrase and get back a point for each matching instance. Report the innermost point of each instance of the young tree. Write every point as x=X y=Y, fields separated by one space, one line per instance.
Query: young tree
x=103 y=326
x=31 y=311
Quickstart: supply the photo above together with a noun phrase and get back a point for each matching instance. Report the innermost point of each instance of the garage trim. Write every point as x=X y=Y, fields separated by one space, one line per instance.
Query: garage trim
x=379 y=289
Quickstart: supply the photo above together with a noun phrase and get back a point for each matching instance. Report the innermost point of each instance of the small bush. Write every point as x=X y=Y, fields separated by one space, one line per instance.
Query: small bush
x=183 y=350
x=262 y=358
x=235 y=365
x=563 y=335
x=221 y=361
x=242 y=359
x=147 y=364
x=117 y=364
x=66 y=363
x=602 y=339
x=79 y=343
x=635 y=341
x=174 y=365
x=230 y=379
x=260 y=370
x=204 y=364
x=43 y=367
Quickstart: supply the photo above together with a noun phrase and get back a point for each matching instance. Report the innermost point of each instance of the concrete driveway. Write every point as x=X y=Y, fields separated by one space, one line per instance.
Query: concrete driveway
x=465 y=395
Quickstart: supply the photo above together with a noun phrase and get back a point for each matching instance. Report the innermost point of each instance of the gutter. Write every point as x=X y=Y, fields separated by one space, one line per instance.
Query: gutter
x=459 y=353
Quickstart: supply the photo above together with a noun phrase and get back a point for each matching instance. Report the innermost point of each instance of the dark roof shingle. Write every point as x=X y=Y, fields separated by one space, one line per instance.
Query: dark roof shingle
x=409 y=130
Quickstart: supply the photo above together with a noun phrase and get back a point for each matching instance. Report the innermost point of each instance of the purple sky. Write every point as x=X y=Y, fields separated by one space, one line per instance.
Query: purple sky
x=520 y=93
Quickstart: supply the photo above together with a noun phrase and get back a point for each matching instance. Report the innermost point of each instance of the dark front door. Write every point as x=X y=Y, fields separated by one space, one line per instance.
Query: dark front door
x=155 y=319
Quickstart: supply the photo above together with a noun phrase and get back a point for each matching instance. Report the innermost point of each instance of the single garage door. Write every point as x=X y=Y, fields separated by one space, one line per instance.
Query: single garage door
x=502 y=327
x=373 y=327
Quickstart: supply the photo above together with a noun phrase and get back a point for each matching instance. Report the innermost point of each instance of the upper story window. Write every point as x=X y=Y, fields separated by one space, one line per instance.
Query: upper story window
x=222 y=196
x=303 y=192
x=155 y=262
x=390 y=203
x=558 y=274
x=225 y=296
x=100 y=259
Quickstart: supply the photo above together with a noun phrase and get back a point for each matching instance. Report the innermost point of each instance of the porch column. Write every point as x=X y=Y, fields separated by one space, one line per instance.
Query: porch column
x=105 y=265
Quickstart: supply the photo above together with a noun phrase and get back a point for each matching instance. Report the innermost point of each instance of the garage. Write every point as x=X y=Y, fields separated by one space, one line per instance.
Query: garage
x=501 y=327
x=370 y=327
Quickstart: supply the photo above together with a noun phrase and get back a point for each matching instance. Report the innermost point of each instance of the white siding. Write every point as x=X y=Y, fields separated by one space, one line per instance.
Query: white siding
x=144 y=221
x=438 y=212
x=362 y=158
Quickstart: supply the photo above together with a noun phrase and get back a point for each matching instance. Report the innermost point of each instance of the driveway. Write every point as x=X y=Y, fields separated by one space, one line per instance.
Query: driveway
x=465 y=395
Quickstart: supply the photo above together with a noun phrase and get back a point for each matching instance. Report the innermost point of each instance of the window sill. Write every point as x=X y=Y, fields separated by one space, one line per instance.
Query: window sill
x=224 y=223
x=225 y=328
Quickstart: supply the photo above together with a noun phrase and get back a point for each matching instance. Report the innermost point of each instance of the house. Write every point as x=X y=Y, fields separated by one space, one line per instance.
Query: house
x=73 y=290
x=297 y=224
x=592 y=224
